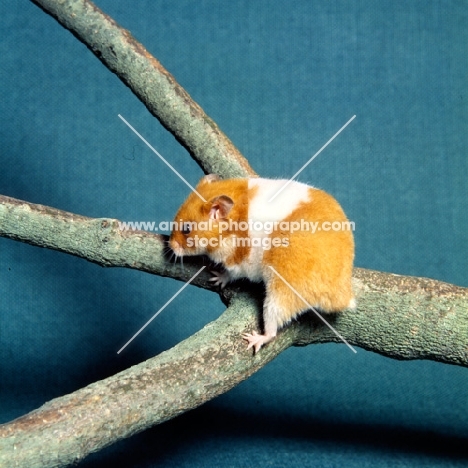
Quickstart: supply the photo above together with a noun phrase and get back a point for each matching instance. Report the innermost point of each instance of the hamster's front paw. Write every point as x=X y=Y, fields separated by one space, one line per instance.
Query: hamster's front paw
x=220 y=278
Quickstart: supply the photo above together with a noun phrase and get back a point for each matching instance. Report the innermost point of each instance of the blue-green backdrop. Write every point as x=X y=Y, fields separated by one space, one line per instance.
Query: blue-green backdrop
x=280 y=78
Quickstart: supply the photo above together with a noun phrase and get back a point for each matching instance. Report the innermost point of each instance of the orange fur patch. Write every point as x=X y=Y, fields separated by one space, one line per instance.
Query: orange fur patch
x=318 y=265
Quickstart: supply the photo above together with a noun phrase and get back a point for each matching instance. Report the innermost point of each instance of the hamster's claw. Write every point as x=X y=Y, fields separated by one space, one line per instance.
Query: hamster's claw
x=220 y=278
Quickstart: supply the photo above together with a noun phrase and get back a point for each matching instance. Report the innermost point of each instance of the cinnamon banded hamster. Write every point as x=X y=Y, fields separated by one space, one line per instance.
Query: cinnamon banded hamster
x=299 y=243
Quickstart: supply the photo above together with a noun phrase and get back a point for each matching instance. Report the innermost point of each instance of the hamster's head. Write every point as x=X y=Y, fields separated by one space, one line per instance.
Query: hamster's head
x=199 y=225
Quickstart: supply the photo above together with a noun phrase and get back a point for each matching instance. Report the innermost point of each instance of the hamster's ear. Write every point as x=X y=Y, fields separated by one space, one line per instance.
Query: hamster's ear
x=220 y=207
x=210 y=178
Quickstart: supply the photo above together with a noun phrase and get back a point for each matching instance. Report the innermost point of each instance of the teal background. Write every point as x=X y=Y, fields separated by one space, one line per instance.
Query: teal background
x=280 y=78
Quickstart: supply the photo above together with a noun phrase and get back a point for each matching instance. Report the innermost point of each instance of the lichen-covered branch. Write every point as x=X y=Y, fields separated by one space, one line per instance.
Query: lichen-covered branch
x=405 y=317
x=98 y=240
x=68 y=428
x=397 y=316
x=401 y=317
x=152 y=84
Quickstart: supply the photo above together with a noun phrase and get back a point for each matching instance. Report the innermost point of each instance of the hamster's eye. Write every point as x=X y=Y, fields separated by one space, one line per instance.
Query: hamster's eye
x=186 y=230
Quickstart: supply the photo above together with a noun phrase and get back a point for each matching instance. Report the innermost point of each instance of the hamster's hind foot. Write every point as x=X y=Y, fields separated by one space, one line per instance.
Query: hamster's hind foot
x=256 y=341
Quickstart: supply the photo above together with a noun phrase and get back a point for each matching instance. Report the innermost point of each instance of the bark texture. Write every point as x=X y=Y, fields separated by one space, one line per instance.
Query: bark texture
x=397 y=316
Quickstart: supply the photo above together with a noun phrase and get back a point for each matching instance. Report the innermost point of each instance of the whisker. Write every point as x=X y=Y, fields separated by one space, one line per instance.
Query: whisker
x=169 y=253
x=171 y=256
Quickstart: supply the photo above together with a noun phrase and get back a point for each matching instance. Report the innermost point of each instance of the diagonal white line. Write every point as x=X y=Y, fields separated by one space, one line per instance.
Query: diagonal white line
x=160 y=310
x=162 y=159
x=316 y=313
x=311 y=159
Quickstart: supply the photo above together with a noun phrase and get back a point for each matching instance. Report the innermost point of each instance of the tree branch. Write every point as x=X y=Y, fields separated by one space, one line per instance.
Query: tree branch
x=400 y=317
x=98 y=240
x=397 y=316
x=152 y=84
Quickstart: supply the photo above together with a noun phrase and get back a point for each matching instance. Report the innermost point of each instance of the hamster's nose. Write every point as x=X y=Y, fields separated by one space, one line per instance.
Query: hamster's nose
x=176 y=247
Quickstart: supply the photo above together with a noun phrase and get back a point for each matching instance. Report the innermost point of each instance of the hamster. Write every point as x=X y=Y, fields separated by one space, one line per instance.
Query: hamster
x=298 y=243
